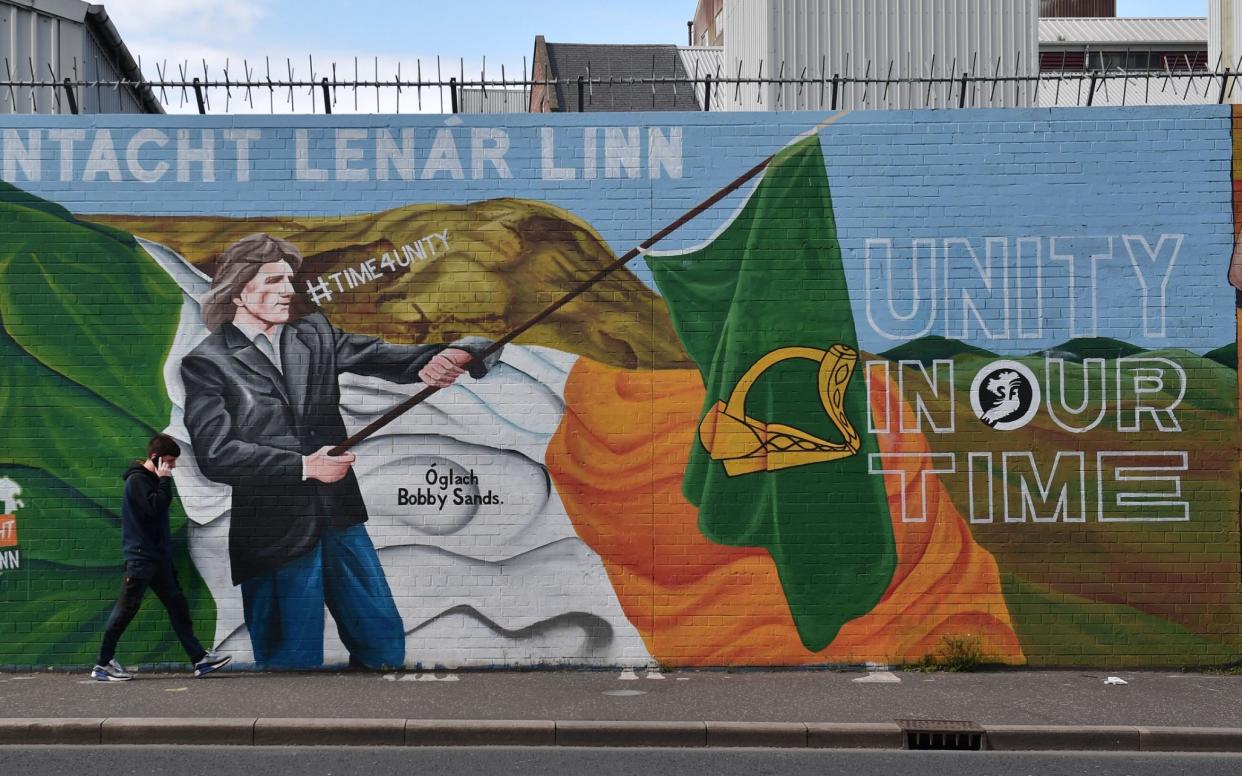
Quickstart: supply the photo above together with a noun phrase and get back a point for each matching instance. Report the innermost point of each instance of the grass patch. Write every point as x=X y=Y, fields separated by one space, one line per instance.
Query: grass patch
x=954 y=654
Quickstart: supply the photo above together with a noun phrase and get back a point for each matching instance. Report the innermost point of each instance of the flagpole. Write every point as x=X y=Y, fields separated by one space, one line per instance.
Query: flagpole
x=418 y=398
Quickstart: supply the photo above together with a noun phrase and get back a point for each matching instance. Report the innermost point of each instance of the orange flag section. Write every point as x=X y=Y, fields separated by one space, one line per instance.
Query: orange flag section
x=617 y=461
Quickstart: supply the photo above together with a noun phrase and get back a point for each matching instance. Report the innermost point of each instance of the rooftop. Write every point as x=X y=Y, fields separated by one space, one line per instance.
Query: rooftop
x=1120 y=31
x=619 y=63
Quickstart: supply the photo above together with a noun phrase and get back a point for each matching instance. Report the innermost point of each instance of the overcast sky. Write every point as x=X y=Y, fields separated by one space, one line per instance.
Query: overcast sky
x=412 y=34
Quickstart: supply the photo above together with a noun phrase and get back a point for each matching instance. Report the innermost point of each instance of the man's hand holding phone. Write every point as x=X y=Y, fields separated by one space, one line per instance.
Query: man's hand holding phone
x=163 y=466
x=327 y=468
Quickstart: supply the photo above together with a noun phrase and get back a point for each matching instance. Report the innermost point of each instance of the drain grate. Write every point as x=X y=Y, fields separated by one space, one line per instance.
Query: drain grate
x=948 y=734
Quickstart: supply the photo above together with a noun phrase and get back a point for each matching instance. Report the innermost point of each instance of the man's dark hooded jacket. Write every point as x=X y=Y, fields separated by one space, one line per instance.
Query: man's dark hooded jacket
x=145 y=534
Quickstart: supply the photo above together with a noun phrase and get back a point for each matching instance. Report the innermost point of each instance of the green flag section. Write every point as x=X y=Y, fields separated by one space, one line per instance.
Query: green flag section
x=774 y=279
x=86 y=322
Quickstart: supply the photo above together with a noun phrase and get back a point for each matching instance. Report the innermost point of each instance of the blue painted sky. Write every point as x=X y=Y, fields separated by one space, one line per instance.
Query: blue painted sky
x=1081 y=192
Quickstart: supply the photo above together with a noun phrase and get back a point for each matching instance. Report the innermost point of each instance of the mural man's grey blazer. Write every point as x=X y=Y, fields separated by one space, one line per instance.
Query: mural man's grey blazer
x=250 y=426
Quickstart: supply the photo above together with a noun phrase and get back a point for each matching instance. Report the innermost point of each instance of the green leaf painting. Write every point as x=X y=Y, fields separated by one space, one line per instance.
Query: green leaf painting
x=87 y=320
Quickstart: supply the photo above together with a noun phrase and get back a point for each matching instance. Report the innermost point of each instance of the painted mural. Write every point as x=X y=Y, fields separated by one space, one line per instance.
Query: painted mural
x=929 y=377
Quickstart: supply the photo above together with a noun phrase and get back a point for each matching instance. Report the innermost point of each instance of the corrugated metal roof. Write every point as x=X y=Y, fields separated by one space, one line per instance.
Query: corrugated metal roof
x=1185 y=30
x=701 y=61
x=69 y=10
x=1155 y=90
x=619 y=62
x=67 y=39
x=495 y=100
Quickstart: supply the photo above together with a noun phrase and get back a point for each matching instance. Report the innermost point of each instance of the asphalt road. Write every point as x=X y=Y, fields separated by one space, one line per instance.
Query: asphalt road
x=313 y=761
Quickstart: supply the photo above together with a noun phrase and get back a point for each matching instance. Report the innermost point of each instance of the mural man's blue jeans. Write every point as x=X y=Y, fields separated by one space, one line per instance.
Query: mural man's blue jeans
x=284 y=607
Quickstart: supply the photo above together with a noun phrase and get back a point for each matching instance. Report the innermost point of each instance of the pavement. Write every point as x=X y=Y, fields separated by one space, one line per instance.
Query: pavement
x=1026 y=710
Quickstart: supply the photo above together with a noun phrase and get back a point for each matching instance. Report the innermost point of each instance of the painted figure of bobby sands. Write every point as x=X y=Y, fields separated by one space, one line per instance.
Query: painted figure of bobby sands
x=263 y=409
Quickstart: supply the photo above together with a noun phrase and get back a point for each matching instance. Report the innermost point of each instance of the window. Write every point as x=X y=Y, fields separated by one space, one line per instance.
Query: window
x=1132 y=61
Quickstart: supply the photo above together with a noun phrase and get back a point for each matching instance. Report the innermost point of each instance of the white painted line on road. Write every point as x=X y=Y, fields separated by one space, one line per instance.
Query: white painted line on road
x=878 y=673
x=420 y=677
x=879 y=677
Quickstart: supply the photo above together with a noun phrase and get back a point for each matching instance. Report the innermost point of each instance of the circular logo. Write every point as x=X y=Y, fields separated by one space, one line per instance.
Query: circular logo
x=1005 y=395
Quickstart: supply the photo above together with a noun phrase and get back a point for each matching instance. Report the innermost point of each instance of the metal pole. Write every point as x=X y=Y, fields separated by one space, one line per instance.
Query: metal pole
x=453 y=93
x=73 y=99
x=574 y=293
x=1091 y=87
x=836 y=86
x=961 y=98
x=707 y=92
x=400 y=409
x=581 y=95
x=1220 y=99
x=327 y=100
x=198 y=95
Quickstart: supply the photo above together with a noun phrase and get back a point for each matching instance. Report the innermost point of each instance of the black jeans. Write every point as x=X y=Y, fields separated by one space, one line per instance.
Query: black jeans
x=160 y=577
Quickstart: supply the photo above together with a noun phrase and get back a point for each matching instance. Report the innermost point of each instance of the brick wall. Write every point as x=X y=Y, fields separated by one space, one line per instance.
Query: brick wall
x=934 y=380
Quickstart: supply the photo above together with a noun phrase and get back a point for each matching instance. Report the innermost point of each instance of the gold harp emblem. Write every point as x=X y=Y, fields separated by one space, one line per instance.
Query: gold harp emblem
x=745 y=445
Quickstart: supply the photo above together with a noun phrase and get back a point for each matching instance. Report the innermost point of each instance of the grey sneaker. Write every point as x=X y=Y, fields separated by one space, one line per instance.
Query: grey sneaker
x=210 y=662
x=112 y=672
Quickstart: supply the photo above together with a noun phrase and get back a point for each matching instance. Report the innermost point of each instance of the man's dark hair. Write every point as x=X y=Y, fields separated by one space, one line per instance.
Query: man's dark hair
x=162 y=445
x=236 y=266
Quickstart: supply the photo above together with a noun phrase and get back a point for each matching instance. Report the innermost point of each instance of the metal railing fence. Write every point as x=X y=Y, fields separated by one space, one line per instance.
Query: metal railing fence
x=668 y=86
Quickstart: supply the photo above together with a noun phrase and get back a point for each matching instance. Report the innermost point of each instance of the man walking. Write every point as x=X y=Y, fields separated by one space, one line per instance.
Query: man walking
x=147 y=546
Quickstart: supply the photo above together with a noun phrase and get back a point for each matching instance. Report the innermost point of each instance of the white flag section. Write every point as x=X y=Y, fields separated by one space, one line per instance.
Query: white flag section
x=492 y=573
